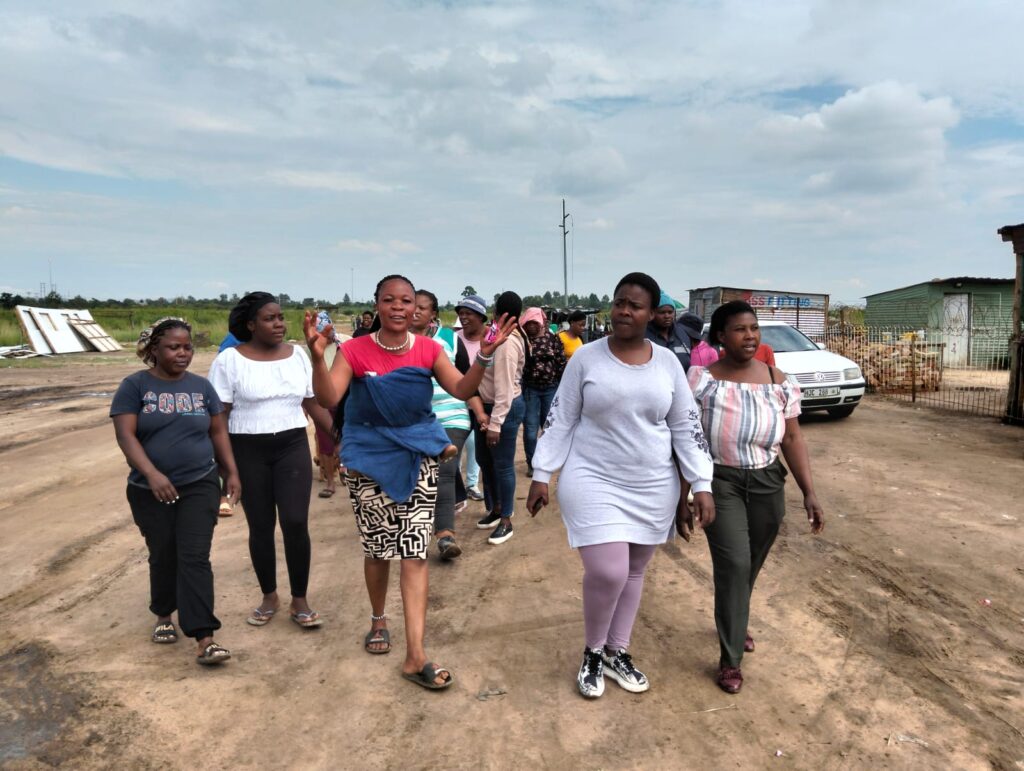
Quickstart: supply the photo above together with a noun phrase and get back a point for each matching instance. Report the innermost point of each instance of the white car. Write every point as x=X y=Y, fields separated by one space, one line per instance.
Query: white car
x=827 y=380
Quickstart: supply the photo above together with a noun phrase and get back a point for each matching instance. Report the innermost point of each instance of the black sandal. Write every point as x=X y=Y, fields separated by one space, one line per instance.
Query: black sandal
x=213 y=654
x=377 y=637
x=164 y=634
x=427 y=676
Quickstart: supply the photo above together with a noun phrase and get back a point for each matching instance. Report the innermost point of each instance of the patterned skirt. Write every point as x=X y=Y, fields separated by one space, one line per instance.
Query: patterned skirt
x=390 y=530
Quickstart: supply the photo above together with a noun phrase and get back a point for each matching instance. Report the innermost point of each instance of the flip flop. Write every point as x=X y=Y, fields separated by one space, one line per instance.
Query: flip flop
x=376 y=637
x=426 y=677
x=164 y=634
x=260 y=617
x=225 y=510
x=307 y=619
x=213 y=654
x=326 y=493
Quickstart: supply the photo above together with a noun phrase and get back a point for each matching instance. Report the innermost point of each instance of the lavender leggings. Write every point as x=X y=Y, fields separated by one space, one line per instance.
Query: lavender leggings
x=613 y=577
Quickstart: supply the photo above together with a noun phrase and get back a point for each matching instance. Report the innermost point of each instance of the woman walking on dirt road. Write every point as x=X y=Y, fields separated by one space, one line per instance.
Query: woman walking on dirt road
x=264 y=383
x=623 y=428
x=170 y=426
x=749 y=413
x=391 y=448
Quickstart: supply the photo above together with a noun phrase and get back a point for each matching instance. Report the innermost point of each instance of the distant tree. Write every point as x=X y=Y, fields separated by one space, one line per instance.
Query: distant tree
x=78 y=302
x=308 y=302
x=548 y=299
x=8 y=300
x=346 y=300
x=223 y=298
x=191 y=300
x=605 y=299
x=284 y=300
x=468 y=291
x=592 y=300
x=52 y=300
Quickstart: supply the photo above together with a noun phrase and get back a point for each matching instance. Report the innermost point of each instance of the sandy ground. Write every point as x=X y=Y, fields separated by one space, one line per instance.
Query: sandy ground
x=896 y=639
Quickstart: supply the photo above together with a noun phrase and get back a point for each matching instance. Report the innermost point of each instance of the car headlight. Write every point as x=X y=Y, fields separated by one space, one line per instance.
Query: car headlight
x=853 y=373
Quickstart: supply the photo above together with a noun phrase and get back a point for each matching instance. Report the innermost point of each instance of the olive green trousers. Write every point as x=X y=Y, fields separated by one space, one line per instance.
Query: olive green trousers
x=749 y=507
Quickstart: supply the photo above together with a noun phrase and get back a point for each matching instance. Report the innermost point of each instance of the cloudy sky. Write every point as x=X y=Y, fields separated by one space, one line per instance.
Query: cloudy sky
x=189 y=147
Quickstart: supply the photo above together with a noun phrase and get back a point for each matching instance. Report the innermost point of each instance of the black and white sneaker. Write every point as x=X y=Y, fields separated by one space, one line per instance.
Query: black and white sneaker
x=619 y=667
x=489 y=520
x=590 y=680
x=474 y=495
x=501 y=533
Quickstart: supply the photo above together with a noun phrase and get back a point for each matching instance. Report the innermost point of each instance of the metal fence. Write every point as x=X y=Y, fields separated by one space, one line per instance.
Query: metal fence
x=923 y=367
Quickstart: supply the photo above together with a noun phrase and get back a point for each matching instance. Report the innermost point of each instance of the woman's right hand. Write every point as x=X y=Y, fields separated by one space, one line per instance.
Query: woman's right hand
x=162 y=488
x=537 y=498
x=317 y=341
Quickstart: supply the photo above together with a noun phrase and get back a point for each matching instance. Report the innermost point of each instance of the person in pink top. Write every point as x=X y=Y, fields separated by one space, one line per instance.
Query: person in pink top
x=749 y=414
x=701 y=354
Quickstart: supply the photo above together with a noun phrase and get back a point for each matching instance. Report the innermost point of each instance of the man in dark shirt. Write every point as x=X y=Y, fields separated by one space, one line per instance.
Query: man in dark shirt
x=665 y=331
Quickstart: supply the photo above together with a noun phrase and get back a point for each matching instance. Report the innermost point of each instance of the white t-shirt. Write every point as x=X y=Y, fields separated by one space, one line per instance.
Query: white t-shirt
x=266 y=396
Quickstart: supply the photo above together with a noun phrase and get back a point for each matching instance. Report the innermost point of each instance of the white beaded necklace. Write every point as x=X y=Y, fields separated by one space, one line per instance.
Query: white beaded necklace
x=393 y=348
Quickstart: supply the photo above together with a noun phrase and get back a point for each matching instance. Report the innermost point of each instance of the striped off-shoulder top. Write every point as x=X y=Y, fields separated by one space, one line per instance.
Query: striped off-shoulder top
x=743 y=422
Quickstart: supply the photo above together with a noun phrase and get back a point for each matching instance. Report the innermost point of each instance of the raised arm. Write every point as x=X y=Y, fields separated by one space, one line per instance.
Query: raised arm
x=328 y=385
x=464 y=387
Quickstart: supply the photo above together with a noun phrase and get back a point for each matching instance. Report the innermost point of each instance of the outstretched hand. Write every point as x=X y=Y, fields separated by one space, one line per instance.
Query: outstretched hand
x=316 y=340
x=506 y=326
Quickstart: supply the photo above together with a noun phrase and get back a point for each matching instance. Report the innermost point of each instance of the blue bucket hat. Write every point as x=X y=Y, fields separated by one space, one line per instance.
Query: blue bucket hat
x=475 y=303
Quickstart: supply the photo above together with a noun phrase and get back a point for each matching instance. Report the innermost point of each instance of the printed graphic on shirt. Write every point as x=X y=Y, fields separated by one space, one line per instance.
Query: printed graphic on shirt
x=168 y=403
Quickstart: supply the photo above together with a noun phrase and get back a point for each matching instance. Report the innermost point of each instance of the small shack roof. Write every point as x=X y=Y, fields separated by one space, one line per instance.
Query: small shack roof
x=953 y=280
x=759 y=291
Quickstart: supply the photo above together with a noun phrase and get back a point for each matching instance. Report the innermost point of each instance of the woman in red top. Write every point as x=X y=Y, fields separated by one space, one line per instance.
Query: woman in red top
x=392 y=477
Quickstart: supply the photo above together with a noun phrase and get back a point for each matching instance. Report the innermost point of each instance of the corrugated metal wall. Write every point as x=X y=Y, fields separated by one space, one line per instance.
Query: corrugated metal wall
x=908 y=307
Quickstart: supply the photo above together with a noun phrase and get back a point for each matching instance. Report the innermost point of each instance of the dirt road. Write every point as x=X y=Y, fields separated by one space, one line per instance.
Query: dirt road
x=876 y=645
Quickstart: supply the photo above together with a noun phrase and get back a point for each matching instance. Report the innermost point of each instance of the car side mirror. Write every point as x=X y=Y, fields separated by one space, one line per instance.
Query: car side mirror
x=821 y=346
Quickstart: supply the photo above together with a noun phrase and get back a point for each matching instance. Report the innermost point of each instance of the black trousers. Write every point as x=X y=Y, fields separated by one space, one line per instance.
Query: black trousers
x=749 y=507
x=179 y=536
x=277 y=476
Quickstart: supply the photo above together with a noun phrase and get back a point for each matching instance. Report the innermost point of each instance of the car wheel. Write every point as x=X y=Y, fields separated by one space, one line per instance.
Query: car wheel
x=841 y=412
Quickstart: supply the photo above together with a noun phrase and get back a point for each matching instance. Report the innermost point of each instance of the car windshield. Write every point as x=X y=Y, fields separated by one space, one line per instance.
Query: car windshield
x=786 y=339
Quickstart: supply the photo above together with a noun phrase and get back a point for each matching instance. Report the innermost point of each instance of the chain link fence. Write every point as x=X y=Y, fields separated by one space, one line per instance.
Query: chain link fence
x=961 y=367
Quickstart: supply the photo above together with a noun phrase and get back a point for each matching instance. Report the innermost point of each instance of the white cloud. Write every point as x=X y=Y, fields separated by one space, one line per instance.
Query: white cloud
x=326 y=180
x=701 y=141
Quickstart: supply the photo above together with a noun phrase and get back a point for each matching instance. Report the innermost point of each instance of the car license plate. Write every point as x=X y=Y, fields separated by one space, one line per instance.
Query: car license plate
x=817 y=393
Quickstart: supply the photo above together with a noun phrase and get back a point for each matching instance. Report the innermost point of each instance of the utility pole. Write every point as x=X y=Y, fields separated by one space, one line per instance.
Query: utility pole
x=565 y=262
x=352 y=285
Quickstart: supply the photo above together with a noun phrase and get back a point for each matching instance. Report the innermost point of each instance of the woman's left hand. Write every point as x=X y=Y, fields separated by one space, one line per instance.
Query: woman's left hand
x=233 y=488
x=506 y=326
x=493 y=437
x=815 y=514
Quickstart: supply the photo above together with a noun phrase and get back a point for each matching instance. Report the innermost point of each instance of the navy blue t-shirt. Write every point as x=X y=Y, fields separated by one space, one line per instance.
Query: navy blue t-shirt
x=173 y=423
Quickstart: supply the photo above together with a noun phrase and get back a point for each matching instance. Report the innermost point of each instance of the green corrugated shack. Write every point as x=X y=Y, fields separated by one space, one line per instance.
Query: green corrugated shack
x=972 y=316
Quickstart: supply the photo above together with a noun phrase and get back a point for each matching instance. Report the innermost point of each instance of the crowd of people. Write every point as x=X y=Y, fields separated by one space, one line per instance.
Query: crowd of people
x=653 y=428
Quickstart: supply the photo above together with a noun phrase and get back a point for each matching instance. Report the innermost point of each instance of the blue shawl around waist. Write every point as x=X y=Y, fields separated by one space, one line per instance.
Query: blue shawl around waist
x=390 y=427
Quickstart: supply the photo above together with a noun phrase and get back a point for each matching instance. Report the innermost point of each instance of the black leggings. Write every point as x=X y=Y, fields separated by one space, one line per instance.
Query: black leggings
x=276 y=475
x=179 y=536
